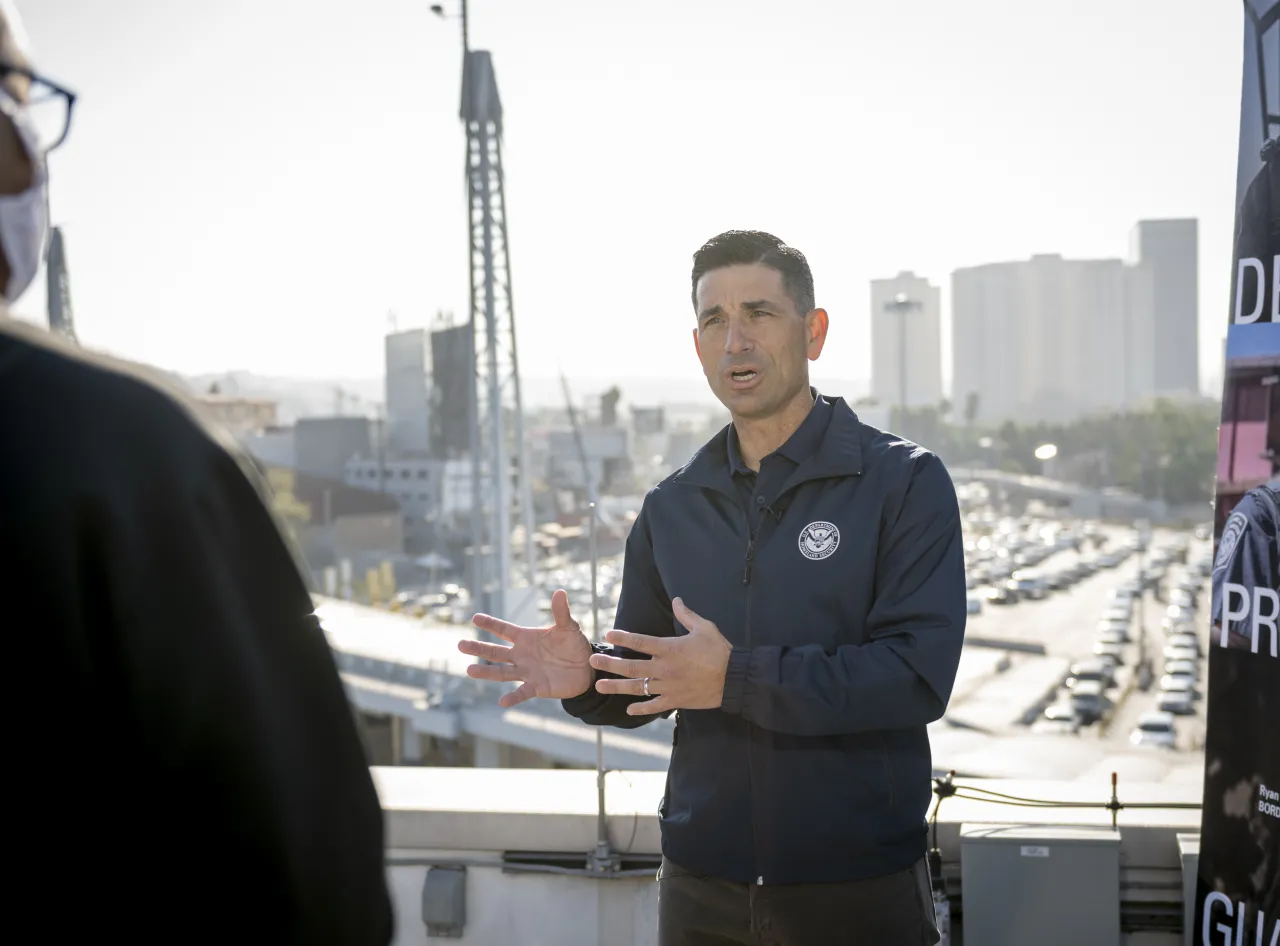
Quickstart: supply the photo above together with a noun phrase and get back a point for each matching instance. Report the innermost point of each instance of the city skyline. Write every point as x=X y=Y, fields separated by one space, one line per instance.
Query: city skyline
x=224 y=205
x=1055 y=339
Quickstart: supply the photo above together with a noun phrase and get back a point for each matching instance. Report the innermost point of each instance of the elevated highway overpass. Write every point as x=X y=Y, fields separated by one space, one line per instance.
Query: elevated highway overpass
x=411 y=670
x=1079 y=500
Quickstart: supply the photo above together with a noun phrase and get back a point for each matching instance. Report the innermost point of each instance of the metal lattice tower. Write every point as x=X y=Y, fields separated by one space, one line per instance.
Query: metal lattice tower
x=501 y=495
x=58 y=287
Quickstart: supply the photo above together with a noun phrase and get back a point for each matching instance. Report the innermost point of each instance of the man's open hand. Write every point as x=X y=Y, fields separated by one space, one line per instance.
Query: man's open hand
x=549 y=661
x=684 y=672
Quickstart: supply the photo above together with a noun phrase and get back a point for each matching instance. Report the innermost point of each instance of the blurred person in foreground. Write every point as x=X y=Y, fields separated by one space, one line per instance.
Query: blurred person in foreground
x=188 y=766
x=797 y=593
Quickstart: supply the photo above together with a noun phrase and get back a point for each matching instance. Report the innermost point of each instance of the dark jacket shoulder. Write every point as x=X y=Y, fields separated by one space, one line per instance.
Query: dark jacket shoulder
x=82 y=416
x=93 y=392
x=848 y=447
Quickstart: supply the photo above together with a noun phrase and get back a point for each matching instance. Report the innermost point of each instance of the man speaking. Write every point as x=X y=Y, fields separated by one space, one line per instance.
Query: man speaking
x=796 y=591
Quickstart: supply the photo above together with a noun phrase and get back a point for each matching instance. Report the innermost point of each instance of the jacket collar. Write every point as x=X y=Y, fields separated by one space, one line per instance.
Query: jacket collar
x=799 y=446
x=836 y=452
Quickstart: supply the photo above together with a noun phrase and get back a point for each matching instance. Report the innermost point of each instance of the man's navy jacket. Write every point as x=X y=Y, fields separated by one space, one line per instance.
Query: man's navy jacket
x=837 y=574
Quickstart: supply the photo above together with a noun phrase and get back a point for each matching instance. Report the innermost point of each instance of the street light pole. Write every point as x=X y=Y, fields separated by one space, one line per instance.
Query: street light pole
x=438 y=10
x=900 y=305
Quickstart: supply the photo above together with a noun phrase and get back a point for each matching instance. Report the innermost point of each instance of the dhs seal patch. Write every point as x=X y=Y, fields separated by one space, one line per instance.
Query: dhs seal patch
x=1231 y=533
x=818 y=540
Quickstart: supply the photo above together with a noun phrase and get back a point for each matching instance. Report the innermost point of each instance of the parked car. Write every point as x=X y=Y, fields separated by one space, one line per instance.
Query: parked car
x=1099 y=671
x=1172 y=652
x=1058 y=718
x=1001 y=594
x=1185 y=668
x=1121 y=607
x=1180 y=704
x=1089 y=701
x=1186 y=640
x=1028 y=586
x=1155 y=729
x=973 y=604
x=1112 y=627
x=1106 y=649
x=1178 y=683
x=1109 y=634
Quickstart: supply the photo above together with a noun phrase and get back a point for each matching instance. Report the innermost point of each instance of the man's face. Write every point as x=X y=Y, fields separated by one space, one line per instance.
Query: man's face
x=753 y=344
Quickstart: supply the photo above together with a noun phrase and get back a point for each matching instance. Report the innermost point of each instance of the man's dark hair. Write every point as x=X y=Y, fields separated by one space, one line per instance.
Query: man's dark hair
x=746 y=247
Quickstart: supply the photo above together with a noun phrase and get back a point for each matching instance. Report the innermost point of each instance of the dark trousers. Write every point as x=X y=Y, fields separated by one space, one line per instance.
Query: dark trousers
x=896 y=910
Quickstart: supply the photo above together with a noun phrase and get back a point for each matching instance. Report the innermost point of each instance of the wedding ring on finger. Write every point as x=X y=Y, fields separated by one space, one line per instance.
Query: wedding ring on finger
x=646 y=687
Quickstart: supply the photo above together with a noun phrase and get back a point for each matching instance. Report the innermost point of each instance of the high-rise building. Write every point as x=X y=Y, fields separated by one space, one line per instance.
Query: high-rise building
x=1050 y=339
x=917 y=326
x=1170 y=248
x=452 y=368
x=408 y=366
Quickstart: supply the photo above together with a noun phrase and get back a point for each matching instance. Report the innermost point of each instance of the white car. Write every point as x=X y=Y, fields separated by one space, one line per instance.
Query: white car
x=1107 y=627
x=1114 y=651
x=1180 y=704
x=1089 y=701
x=973 y=604
x=1058 y=718
x=1185 y=668
x=1100 y=671
x=1180 y=653
x=1178 y=683
x=1111 y=635
x=1155 y=729
x=1187 y=639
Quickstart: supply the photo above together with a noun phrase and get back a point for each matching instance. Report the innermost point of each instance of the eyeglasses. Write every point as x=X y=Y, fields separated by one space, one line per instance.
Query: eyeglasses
x=48 y=104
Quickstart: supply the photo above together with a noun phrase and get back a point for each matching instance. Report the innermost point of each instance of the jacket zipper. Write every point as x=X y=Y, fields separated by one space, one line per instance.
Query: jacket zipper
x=746 y=581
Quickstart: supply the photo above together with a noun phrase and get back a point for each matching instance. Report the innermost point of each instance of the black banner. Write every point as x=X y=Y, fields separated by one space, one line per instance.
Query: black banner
x=1238 y=888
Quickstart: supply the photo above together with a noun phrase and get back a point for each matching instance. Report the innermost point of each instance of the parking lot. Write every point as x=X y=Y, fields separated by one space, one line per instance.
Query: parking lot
x=1086 y=684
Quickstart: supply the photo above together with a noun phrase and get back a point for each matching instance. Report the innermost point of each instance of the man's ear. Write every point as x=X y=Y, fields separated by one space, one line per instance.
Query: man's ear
x=815 y=326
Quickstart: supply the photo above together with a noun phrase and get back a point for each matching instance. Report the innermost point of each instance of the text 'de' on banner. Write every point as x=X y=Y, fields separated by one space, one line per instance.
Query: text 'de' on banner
x=1238 y=888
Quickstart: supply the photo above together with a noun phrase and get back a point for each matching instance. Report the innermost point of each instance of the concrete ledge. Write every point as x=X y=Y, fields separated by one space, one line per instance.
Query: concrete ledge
x=467 y=809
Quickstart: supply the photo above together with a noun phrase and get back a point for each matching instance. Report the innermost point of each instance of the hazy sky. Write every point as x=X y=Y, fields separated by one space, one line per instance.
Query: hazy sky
x=254 y=184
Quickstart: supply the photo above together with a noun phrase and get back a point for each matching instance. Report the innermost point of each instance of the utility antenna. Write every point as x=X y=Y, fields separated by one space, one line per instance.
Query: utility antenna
x=58 y=287
x=602 y=859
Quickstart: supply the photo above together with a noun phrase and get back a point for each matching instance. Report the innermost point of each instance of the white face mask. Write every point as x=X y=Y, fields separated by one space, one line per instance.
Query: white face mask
x=24 y=218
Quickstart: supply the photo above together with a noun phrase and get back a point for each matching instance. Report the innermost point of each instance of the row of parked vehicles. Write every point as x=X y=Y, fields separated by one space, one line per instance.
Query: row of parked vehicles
x=1091 y=682
x=1035 y=584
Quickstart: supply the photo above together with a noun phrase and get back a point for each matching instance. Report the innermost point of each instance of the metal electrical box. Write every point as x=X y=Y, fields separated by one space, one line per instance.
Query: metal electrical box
x=444 y=902
x=1044 y=884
